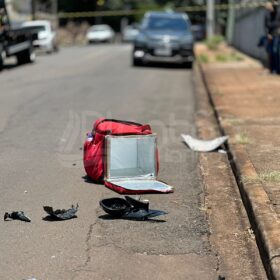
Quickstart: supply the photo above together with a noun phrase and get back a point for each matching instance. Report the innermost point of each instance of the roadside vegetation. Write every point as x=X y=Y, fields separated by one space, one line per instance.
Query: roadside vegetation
x=231 y=57
x=216 y=50
x=203 y=58
x=264 y=177
x=242 y=139
x=214 y=42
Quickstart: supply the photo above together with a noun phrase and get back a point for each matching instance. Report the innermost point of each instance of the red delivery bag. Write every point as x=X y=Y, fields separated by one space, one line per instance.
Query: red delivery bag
x=124 y=156
x=94 y=146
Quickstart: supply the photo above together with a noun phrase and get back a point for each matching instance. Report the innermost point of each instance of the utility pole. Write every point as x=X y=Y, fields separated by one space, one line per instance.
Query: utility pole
x=33 y=9
x=210 y=18
x=231 y=22
x=55 y=12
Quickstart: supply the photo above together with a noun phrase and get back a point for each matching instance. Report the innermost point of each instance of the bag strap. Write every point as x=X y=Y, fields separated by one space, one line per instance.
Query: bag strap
x=101 y=120
x=117 y=121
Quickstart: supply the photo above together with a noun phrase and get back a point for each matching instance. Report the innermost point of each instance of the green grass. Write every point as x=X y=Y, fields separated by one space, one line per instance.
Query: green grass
x=222 y=57
x=203 y=58
x=242 y=138
x=214 y=42
x=228 y=57
x=264 y=177
x=236 y=57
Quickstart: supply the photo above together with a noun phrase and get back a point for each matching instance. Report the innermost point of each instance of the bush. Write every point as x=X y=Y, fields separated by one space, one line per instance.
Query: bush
x=232 y=57
x=214 y=42
x=203 y=58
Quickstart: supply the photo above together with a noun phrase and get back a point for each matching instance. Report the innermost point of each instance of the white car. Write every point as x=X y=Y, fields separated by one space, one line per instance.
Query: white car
x=100 y=33
x=129 y=34
x=46 y=38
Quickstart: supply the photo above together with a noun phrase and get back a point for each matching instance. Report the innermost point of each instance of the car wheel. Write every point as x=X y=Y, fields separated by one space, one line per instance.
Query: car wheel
x=137 y=62
x=50 y=51
x=26 y=56
x=2 y=56
x=55 y=47
x=188 y=65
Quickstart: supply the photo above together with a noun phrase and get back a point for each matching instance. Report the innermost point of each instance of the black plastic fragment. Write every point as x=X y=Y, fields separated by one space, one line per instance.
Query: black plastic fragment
x=138 y=204
x=142 y=214
x=62 y=214
x=17 y=215
x=129 y=208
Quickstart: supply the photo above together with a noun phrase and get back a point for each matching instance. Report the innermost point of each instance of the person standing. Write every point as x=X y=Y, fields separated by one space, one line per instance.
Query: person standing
x=272 y=29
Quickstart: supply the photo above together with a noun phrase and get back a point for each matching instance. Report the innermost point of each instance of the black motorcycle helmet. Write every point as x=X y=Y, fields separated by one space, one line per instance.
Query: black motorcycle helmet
x=115 y=207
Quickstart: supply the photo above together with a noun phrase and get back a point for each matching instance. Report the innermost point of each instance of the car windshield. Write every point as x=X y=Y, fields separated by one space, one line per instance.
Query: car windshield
x=99 y=28
x=165 y=23
x=39 y=27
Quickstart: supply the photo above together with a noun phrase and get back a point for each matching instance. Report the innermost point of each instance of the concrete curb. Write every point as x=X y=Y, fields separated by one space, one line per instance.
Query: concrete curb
x=263 y=219
x=230 y=239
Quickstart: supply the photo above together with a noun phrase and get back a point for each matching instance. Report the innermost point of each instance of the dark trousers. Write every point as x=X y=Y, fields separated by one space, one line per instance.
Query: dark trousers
x=273 y=50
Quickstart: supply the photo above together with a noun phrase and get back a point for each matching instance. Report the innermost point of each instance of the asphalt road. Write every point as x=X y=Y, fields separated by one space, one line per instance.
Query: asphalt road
x=45 y=111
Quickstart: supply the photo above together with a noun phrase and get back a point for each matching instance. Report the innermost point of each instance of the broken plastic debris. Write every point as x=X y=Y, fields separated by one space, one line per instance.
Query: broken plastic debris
x=204 y=145
x=142 y=214
x=62 y=214
x=17 y=215
x=137 y=203
x=129 y=208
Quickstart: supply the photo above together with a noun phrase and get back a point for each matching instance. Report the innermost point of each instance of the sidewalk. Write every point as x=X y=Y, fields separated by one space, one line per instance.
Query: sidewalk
x=247 y=105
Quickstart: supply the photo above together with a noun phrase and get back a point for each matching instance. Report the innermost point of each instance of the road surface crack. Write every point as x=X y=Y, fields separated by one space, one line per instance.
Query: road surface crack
x=88 y=247
x=87 y=250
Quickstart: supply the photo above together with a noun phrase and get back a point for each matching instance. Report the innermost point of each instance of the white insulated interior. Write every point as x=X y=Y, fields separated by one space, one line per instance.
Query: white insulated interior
x=144 y=185
x=132 y=157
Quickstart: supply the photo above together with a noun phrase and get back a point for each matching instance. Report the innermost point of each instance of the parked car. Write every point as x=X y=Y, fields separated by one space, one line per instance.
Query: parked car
x=164 y=37
x=100 y=33
x=46 y=38
x=129 y=33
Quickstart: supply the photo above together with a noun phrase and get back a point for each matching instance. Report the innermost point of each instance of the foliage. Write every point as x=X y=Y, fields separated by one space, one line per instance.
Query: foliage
x=214 y=42
x=231 y=57
x=264 y=177
x=242 y=139
x=203 y=58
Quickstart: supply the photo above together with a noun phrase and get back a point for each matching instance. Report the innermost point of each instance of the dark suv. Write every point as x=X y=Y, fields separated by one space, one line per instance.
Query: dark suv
x=164 y=37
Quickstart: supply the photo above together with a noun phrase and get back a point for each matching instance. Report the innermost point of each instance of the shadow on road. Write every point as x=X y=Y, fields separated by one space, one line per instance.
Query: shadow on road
x=51 y=219
x=163 y=66
x=88 y=180
x=109 y=218
x=10 y=66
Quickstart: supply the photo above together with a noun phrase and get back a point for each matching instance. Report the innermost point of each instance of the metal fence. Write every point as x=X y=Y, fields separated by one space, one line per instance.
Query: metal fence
x=249 y=27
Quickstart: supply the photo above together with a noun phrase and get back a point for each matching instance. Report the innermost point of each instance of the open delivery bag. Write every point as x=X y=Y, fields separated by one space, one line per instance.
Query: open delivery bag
x=123 y=155
x=131 y=165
